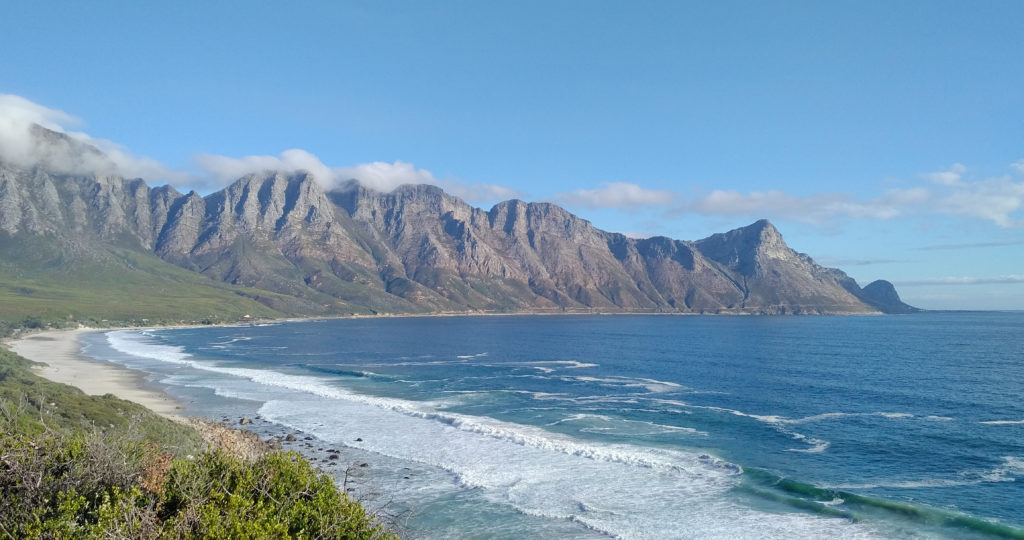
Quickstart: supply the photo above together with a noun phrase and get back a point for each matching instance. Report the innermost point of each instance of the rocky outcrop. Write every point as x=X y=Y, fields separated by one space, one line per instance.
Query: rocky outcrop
x=881 y=295
x=419 y=249
x=776 y=279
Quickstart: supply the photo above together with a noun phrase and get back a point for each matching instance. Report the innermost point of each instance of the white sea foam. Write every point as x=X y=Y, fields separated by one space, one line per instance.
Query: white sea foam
x=138 y=344
x=815 y=418
x=909 y=484
x=564 y=364
x=228 y=342
x=651 y=385
x=1011 y=469
x=894 y=415
x=620 y=490
x=779 y=423
x=831 y=416
x=581 y=416
x=816 y=446
x=674 y=402
x=231 y=339
x=1002 y=422
x=469 y=356
x=540 y=396
x=619 y=426
x=409 y=362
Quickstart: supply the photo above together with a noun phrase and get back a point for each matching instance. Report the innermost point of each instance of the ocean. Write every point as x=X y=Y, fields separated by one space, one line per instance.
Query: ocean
x=631 y=426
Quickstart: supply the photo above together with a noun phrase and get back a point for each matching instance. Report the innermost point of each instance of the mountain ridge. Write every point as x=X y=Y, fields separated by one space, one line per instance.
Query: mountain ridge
x=419 y=249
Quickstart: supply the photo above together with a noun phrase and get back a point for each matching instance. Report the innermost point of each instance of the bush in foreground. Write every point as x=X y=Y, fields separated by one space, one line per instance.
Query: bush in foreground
x=90 y=486
x=79 y=466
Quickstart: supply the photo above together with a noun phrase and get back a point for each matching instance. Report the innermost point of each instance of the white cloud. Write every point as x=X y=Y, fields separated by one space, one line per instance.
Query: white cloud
x=223 y=170
x=377 y=175
x=840 y=262
x=999 y=200
x=132 y=166
x=816 y=209
x=18 y=111
x=993 y=280
x=617 y=195
x=952 y=177
x=906 y=197
x=481 y=193
x=24 y=145
x=383 y=176
x=938 y=247
x=732 y=202
x=995 y=199
x=21 y=146
x=950 y=192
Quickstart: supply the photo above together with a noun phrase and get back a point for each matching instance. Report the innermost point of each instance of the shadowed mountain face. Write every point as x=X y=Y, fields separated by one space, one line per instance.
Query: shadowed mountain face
x=418 y=249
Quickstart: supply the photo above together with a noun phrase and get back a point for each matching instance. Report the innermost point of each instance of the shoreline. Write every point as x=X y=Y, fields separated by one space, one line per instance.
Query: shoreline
x=60 y=351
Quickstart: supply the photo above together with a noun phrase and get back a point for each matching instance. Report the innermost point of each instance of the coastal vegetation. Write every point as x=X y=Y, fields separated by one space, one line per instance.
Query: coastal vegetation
x=43 y=287
x=79 y=466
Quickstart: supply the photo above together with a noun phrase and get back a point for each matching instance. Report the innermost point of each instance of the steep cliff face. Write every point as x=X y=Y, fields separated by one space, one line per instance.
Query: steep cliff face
x=419 y=249
x=538 y=256
x=107 y=208
x=71 y=193
x=676 y=274
x=775 y=279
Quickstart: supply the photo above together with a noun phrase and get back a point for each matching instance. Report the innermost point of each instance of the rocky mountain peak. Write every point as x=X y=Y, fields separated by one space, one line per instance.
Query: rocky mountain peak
x=517 y=217
x=271 y=201
x=747 y=248
x=771 y=244
x=417 y=248
x=764 y=229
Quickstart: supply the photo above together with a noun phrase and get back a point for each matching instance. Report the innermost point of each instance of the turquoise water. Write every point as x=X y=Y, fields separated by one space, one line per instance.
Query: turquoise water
x=634 y=426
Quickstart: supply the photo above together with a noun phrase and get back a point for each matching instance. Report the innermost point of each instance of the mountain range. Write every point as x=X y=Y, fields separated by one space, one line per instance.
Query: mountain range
x=277 y=243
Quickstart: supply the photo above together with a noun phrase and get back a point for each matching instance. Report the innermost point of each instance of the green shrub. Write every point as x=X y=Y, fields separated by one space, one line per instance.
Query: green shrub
x=279 y=496
x=96 y=486
x=78 y=466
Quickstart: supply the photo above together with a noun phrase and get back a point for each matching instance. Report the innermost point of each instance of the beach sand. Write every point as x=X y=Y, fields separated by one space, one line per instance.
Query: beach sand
x=60 y=351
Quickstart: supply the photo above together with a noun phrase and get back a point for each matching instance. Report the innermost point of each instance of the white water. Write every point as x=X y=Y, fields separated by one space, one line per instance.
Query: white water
x=619 y=490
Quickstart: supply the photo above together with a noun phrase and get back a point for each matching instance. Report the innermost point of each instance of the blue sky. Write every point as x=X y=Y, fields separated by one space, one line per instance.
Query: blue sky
x=884 y=138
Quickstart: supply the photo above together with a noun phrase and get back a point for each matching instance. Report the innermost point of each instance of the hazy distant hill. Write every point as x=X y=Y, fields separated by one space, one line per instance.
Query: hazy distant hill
x=276 y=243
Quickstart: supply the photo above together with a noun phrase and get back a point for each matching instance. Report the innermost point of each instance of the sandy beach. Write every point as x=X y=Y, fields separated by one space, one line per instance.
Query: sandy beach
x=59 y=350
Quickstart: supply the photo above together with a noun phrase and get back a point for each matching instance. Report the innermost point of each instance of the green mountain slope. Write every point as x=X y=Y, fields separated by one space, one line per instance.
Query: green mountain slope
x=41 y=279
